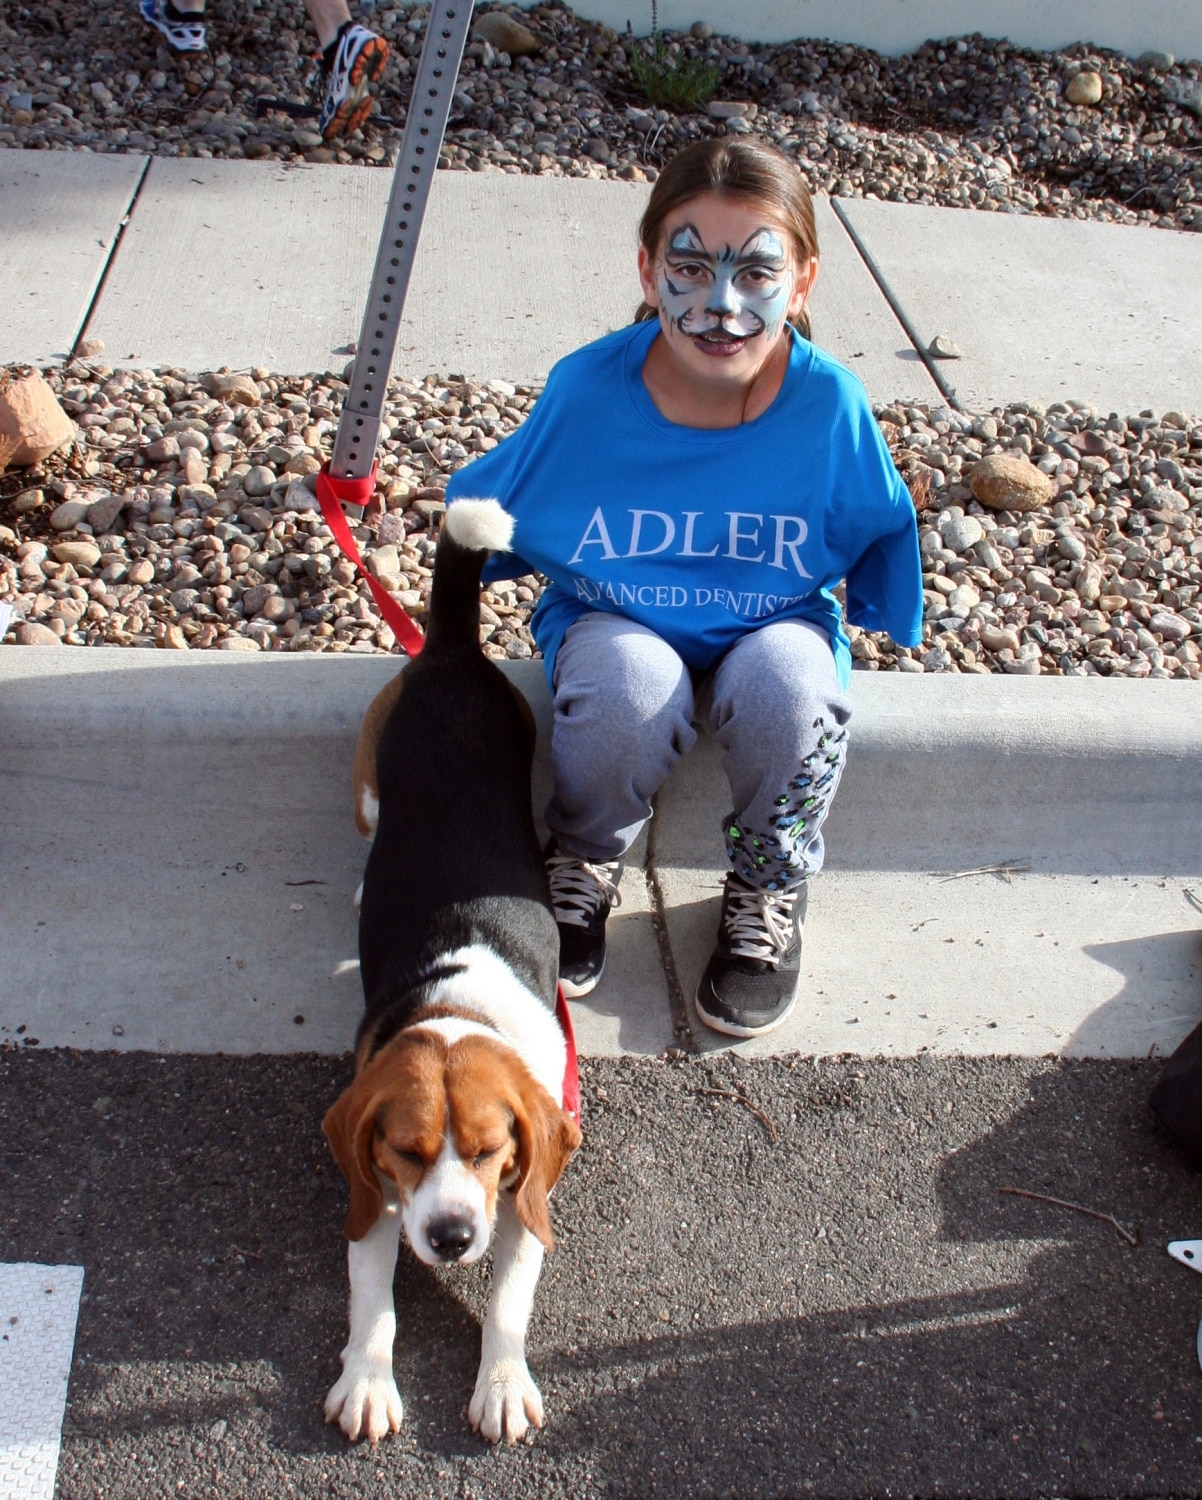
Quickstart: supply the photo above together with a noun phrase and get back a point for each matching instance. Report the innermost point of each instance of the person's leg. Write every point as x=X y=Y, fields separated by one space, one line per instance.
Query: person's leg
x=776 y=706
x=352 y=59
x=327 y=16
x=623 y=717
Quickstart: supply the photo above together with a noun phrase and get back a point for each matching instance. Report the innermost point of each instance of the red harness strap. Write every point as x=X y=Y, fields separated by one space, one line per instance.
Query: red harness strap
x=332 y=495
x=571 y=1069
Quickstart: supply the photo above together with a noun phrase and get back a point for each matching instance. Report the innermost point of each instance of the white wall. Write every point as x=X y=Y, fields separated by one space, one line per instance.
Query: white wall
x=896 y=26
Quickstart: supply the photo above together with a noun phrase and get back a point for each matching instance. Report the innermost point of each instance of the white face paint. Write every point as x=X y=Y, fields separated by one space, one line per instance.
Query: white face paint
x=725 y=295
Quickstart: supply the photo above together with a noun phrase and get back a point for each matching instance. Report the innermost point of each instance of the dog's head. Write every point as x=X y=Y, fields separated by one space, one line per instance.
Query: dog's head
x=451 y=1123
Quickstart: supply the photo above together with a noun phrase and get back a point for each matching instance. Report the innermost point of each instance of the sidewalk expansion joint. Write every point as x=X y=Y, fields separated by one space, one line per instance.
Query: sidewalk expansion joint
x=895 y=306
x=659 y=923
x=111 y=258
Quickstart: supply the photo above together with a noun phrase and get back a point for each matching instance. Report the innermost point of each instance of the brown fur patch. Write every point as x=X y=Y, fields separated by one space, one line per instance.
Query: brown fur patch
x=364 y=773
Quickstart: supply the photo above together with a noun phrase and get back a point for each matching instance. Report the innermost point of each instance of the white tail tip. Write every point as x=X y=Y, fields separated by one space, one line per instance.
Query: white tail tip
x=479 y=525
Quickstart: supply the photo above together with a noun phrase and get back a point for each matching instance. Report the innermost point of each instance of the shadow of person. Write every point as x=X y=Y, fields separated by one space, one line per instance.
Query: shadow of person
x=1159 y=1002
x=1002 y=1347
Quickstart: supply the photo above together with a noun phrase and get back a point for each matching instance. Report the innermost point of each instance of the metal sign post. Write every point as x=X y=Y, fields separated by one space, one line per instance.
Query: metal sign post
x=349 y=478
x=429 y=110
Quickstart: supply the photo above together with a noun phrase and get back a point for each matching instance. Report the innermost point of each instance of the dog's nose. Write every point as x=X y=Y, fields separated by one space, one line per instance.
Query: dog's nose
x=450 y=1238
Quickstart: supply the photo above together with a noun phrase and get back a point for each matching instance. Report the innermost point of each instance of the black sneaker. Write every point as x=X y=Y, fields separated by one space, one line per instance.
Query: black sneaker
x=583 y=893
x=750 y=983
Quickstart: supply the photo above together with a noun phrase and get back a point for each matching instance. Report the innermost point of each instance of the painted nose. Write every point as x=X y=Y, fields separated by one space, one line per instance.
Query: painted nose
x=449 y=1238
x=722 y=300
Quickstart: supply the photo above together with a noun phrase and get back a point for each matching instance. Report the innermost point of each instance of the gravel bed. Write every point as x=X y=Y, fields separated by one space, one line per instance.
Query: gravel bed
x=966 y=122
x=183 y=517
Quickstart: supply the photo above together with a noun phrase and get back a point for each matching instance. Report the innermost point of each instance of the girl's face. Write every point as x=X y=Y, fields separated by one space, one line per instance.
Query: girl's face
x=725 y=281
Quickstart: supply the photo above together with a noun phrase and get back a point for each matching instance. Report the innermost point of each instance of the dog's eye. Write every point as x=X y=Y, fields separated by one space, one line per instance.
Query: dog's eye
x=413 y=1157
x=485 y=1156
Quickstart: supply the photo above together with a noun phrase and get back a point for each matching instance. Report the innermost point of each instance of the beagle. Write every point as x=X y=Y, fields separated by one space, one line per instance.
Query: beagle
x=454 y=1127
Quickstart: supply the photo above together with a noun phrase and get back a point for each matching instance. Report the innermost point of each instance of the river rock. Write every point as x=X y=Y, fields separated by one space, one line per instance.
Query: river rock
x=80 y=554
x=1009 y=481
x=1084 y=88
x=238 y=390
x=30 y=633
x=103 y=513
x=68 y=515
x=506 y=34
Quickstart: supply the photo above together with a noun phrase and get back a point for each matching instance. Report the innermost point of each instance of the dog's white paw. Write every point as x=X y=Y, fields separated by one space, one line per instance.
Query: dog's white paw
x=365 y=1402
x=506 y=1402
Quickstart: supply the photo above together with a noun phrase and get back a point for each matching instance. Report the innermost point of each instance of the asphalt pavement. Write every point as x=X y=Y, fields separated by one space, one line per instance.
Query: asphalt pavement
x=785 y=1277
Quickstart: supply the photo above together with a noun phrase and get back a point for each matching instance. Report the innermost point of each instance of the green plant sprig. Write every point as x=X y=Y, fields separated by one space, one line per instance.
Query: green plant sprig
x=668 y=81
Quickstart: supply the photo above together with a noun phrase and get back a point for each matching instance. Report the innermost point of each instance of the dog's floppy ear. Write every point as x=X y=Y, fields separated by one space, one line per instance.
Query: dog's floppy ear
x=350 y=1127
x=547 y=1136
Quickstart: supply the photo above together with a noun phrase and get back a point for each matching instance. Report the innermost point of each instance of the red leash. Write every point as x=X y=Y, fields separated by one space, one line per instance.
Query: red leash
x=332 y=495
x=571 y=1068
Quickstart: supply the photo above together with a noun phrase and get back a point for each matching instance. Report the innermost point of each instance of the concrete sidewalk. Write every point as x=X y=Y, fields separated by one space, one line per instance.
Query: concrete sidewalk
x=181 y=858
x=245 y=263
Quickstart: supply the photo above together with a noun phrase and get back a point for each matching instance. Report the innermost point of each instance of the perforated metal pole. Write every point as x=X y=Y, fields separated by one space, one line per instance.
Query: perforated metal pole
x=429 y=109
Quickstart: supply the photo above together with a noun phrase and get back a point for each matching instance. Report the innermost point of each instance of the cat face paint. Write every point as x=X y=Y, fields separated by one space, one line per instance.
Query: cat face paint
x=725 y=295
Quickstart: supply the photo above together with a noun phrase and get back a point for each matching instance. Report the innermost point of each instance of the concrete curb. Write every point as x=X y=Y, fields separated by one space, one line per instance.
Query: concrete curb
x=181 y=855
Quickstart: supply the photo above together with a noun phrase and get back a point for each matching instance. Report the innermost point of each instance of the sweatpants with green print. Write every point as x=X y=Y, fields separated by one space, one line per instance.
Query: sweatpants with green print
x=627 y=708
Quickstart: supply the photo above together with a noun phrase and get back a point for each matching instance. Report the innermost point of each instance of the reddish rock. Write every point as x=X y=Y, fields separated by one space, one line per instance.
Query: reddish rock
x=31 y=417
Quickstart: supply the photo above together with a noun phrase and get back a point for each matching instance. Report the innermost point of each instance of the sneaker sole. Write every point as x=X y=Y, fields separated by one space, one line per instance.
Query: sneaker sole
x=574 y=991
x=732 y=1028
x=164 y=30
x=352 y=113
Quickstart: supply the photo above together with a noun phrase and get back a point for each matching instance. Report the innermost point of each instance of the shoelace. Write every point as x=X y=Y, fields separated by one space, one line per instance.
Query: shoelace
x=578 y=888
x=759 y=924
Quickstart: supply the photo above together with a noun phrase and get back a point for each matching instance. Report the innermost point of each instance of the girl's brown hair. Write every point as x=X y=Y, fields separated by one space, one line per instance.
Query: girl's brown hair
x=738 y=168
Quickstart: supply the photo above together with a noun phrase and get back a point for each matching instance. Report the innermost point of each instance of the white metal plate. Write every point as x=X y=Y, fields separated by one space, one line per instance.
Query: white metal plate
x=38 y=1309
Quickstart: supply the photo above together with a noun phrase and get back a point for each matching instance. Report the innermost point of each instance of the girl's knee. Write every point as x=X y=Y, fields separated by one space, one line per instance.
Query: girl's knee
x=611 y=667
x=783 y=674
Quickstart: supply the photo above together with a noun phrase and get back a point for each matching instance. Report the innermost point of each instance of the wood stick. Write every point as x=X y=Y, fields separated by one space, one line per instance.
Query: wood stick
x=1076 y=1208
x=1006 y=870
x=747 y=1104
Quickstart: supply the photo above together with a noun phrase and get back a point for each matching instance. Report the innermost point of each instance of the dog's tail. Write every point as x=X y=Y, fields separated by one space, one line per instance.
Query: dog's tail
x=472 y=530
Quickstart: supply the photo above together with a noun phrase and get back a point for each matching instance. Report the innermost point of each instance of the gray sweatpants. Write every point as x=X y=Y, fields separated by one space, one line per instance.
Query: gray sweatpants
x=626 y=710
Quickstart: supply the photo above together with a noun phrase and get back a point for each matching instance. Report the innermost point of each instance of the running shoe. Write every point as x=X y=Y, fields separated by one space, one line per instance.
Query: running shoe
x=583 y=893
x=184 y=30
x=750 y=983
x=358 y=60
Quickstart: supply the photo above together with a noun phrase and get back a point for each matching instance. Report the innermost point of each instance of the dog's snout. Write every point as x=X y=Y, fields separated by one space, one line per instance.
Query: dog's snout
x=450 y=1238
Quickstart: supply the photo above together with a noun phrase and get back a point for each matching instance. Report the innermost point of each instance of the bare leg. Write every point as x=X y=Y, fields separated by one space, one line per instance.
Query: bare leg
x=327 y=16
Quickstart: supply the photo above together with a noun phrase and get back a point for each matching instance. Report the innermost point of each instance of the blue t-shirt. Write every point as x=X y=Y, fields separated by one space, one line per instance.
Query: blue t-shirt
x=703 y=534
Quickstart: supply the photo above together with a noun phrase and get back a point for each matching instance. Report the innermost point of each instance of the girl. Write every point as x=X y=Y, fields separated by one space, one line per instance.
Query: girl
x=694 y=487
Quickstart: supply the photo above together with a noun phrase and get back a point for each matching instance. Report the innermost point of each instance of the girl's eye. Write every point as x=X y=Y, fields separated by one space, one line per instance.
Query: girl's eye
x=688 y=270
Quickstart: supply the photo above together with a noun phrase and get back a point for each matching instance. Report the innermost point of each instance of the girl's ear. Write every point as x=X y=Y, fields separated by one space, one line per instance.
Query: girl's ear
x=647 y=278
x=807 y=275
